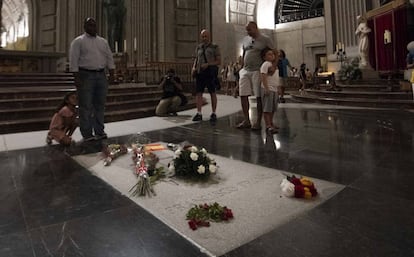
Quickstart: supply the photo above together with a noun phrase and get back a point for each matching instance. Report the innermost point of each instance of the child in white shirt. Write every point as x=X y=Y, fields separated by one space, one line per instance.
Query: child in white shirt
x=270 y=82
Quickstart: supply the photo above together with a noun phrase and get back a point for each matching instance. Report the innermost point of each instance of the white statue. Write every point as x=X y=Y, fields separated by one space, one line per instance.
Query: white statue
x=362 y=33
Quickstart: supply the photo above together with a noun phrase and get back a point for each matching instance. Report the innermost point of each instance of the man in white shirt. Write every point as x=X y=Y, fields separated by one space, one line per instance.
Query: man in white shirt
x=89 y=56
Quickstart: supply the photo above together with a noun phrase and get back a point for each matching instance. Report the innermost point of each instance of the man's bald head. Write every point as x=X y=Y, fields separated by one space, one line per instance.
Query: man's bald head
x=205 y=36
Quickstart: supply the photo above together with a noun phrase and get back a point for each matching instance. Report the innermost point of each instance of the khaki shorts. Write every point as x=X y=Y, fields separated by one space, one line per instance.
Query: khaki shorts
x=269 y=101
x=283 y=82
x=249 y=83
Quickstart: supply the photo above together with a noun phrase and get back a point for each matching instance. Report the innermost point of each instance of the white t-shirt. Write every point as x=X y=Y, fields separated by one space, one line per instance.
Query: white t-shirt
x=272 y=80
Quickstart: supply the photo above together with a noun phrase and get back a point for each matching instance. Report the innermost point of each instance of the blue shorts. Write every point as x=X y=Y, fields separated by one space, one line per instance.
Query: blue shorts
x=207 y=79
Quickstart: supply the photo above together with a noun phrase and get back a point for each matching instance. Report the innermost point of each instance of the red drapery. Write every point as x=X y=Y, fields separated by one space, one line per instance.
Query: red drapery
x=391 y=56
x=401 y=37
x=384 y=51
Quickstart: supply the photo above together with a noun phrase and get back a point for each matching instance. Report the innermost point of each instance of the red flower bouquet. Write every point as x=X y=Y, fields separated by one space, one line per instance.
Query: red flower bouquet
x=298 y=187
x=201 y=215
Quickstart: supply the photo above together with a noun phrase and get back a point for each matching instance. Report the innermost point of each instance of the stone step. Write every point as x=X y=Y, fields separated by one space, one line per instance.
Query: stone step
x=30 y=108
x=363 y=102
x=21 y=103
x=361 y=87
x=360 y=94
x=42 y=123
x=40 y=83
x=35 y=79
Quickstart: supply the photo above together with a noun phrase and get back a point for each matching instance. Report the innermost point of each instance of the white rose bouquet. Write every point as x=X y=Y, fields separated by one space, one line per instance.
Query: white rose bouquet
x=191 y=161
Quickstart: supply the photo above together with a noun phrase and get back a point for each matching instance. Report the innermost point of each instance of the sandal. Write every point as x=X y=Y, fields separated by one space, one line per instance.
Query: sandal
x=244 y=125
x=256 y=127
x=271 y=130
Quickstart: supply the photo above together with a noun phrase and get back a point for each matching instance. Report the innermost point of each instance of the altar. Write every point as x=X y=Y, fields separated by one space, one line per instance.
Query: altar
x=31 y=62
x=392 y=30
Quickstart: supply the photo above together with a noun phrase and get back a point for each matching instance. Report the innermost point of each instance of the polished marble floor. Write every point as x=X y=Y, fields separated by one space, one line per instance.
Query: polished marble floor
x=51 y=206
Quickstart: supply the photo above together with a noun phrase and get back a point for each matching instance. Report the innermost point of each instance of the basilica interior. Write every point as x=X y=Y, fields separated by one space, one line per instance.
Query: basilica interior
x=352 y=136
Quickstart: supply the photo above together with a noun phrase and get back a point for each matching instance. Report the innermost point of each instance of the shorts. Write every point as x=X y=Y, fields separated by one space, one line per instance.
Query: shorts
x=283 y=82
x=270 y=101
x=207 y=79
x=249 y=83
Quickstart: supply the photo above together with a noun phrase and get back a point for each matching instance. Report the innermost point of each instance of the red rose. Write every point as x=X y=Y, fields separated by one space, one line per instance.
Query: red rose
x=192 y=224
x=313 y=191
x=228 y=213
x=296 y=181
x=299 y=191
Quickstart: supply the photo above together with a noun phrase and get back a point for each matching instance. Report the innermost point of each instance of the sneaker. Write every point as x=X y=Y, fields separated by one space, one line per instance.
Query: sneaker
x=48 y=140
x=244 y=125
x=198 y=117
x=213 y=117
x=173 y=114
x=87 y=139
x=100 y=137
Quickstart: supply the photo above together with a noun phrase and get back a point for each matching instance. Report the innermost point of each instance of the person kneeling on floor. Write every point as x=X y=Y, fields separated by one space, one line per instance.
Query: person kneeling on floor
x=172 y=96
x=64 y=121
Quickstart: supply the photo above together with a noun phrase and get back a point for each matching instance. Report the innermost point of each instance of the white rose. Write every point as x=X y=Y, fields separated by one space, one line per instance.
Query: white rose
x=194 y=149
x=171 y=168
x=201 y=169
x=204 y=151
x=288 y=188
x=212 y=168
x=194 y=156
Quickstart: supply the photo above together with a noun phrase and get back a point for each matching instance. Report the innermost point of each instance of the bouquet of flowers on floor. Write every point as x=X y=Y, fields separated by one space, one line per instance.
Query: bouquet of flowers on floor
x=145 y=163
x=112 y=151
x=191 y=161
x=201 y=215
x=302 y=187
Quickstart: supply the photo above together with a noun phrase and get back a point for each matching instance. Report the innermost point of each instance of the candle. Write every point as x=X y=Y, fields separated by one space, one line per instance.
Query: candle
x=125 y=48
x=135 y=43
x=116 y=46
x=387 y=36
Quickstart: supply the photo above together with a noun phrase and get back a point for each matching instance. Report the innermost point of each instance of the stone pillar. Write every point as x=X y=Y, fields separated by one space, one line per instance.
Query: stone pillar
x=141 y=30
x=1 y=19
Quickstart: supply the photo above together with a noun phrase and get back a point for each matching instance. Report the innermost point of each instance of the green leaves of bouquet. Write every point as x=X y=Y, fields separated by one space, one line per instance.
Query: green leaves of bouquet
x=192 y=162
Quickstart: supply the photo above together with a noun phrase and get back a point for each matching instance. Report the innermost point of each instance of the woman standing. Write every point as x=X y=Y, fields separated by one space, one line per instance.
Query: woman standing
x=283 y=65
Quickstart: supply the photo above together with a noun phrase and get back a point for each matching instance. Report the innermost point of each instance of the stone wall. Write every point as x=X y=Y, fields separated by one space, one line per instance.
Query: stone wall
x=302 y=41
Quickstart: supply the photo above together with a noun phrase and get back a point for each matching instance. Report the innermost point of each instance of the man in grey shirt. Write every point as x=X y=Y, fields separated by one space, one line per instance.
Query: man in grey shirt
x=249 y=82
x=205 y=68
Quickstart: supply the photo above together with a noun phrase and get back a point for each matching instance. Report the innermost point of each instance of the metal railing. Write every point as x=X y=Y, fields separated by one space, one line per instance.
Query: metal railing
x=152 y=72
